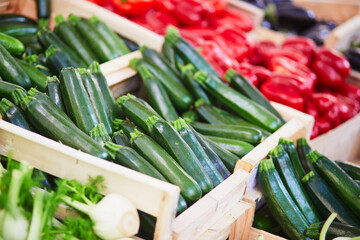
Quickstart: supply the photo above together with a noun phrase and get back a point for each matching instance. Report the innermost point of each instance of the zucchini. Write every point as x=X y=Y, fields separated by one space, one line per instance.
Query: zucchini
x=57 y=60
x=194 y=87
x=352 y=169
x=109 y=36
x=136 y=111
x=280 y=203
x=12 y=45
x=77 y=102
x=33 y=48
x=246 y=108
x=247 y=89
x=335 y=230
x=36 y=62
x=169 y=54
x=18 y=30
x=96 y=99
x=190 y=116
x=190 y=138
x=48 y=38
x=11 y=71
x=54 y=92
x=13 y=18
x=28 y=39
x=38 y=79
x=246 y=134
x=237 y=147
x=96 y=42
x=132 y=46
x=120 y=138
x=171 y=141
x=326 y=201
x=50 y=122
x=290 y=149
x=126 y=126
x=157 y=96
x=208 y=114
x=6 y=89
x=166 y=165
x=219 y=165
x=338 y=179
x=293 y=185
x=99 y=134
x=72 y=38
x=111 y=106
x=43 y=9
x=13 y=114
x=155 y=58
x=303 y=149
x=187 y=52
x=179 y=96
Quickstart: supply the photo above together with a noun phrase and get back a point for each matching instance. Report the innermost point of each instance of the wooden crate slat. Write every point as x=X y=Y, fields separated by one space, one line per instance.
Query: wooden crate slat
x=255 y=233
x=256 y=14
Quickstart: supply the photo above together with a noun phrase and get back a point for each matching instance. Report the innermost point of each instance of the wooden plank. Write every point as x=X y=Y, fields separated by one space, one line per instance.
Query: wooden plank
x=240 y=229
x=264 y=34
x=255 y=13
x=255 y=233
x=150 y=195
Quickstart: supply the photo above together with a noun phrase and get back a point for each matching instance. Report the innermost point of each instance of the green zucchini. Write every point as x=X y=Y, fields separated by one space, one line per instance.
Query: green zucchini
x=246 y=134
x=246 y=88
x=280 y=203
x=169 y=54
x=246 y=108
x=208 y=114
x=166 y=165
x=33 y=48
x=136 y=111
x=13 y=18
x=335 y=230
x=179 y=96
x=157 y=96
x=290 y=149
x=47 y=38
x=96 y=42
x=171 y=141
x=6 y=89
x=326 y=201
x=190 y=138
x=303 y=149
x=194 y=87
x=187 y=52
x=36 y=62
x=43 y=9
x=120 y=138
x=72 y=38
x=215 y=159
x=99 y=134
x=13 y=114
x=352 y=169
x=12 y=45
x=38 y=79
x=50 y=122
x=237 y=147
x=28 y=39
x=18 y=30
x=109 y=36
x=293 y=185
x=126 y=126
x=57 y=60
x=96 y=99
x=190 y=116
x=155 y=58
x=338 y=179
x=111 y=106
x=54 y=92
x=131 y=45
x=77 y=102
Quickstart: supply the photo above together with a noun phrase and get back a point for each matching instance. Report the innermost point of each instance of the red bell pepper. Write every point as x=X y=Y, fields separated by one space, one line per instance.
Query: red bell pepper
x=261 y=73
x=234 y=19
x=323 y=101
x=132 y=7
x=248 y=72
x=310 y=108
x=290 y=53
x=258 y=54
x=323 y=125
x=304 y=86
x=166 y=6
x=217 y=5
x=333 y=116
x=281 y=93
x=159 y=21
x=349 y=90
x=305 y=45
x=330 y=67
x=347 y=107
x=314 y=132
x=189 y=12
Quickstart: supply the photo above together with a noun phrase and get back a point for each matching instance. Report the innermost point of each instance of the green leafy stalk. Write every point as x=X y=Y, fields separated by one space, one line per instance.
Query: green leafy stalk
x=35 y=226
x=326 y=226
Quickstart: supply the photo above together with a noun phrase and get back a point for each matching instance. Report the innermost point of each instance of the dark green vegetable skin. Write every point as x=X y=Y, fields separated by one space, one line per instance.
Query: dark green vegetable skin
x=169 y=54
x=280 y=203
x=38 y=79
x=57 y=60
x=12 y=18
x=351 y=169
x=239 y=148
x=208 y=114
x=12 y=114
x=33 y=48
x=338 y=179
x=77 y=102
x=50 y=122
x=250 y=91
x=6 y=89
x=121 y=139
x=336 y=229
x=303 y=149
x=327 y=201
x=18 y=30
x=14 y=46
x=126 y=126
x=246 y=134
x=246 y=108
x=293 y=185
x=43 y=8
x=11 y=71
x=54 y=92
x=290 y=149
x=171 y=141
x=190 y=138
x=167 y=166
x=28 y=39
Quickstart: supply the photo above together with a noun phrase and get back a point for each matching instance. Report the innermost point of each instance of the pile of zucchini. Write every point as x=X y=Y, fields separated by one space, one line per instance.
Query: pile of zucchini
x=299 y=202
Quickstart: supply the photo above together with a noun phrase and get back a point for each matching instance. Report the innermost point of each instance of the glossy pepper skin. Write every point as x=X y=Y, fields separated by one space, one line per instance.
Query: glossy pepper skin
x=132 y=7
x=303 y=44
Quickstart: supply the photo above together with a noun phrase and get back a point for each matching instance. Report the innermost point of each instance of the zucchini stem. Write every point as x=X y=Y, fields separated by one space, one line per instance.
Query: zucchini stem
x=59 y=19
x=144 y=72
x=200 y=77
x=5 y=105
x=116 y=123
x=95 y=68
x=172 y=36
x=266 y=165
x=18 y=96
x=134 y=63
x=230 y=73
x=308 y=176
x=180 y=124
x=112 y=148
x=313 y=156
x=150 y=122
